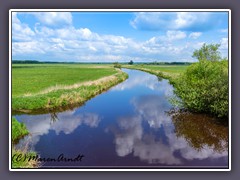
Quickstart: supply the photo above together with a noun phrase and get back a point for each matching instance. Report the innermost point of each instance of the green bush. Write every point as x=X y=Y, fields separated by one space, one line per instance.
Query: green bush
x=203 y=87
x=116 y=65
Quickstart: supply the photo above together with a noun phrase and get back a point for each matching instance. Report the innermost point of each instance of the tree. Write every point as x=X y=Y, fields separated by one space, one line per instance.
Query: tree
x=207 y=52
x=131 y=62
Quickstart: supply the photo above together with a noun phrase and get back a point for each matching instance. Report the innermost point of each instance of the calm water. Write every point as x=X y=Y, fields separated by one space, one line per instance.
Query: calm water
x=129 y=125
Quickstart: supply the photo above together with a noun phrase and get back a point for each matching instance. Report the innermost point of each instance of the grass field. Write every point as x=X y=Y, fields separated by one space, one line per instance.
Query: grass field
x=33 y=78
x=166 y=71
x=47 y=86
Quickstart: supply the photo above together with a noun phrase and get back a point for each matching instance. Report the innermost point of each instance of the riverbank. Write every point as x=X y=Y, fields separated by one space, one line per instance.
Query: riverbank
x=166 y=72
x=19 y=130
x=64 y=96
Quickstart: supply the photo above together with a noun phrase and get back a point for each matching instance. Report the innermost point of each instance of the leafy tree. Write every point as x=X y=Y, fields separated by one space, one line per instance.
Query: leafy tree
x=207 y=52
x=131 y=62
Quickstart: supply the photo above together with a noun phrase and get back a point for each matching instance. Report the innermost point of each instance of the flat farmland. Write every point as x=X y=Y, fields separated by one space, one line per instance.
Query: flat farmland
x=33 y=78
x=48 y=86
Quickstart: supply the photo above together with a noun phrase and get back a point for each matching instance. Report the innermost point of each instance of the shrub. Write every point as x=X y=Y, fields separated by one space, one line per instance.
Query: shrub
x=203 y=87
x=116 y=65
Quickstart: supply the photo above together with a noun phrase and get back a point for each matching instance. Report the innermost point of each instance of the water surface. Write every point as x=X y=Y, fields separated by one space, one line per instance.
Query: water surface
x=129 y=126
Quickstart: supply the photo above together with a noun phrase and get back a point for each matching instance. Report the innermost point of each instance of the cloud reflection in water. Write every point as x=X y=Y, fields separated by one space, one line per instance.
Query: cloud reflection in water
x=131 y=135
x=65 y=122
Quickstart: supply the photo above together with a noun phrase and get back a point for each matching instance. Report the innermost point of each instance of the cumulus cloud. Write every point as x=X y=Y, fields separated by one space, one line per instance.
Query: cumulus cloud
x=152 y=21
x=20 y=31
x=195 y=35
x=54 y=18
x=190 y=21
x=175 y=35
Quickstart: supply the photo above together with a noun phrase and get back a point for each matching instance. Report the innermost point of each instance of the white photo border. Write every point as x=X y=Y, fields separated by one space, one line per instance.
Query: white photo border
x=117 y=10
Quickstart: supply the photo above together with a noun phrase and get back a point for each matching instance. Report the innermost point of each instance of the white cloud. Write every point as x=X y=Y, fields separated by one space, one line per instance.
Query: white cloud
x=191 y=21
x=195 y=35
x=175 y=35
x=32 y=47
x=224 y=43
x=223 y=30
x=20 y=31
x=150 y=21
x=54 y=18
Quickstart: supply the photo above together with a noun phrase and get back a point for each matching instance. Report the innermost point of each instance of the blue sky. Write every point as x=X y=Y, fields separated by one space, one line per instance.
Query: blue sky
x=116 y=36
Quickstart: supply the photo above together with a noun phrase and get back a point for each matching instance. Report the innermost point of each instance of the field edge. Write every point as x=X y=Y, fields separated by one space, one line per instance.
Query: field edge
x=68 y=97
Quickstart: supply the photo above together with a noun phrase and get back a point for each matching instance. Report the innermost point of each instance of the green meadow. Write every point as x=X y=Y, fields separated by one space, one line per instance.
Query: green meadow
x=165 y=71
x=33 y=78
x=48 y=86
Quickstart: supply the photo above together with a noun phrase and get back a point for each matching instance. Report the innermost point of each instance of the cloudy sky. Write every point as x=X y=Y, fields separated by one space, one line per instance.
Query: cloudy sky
x=116 y=36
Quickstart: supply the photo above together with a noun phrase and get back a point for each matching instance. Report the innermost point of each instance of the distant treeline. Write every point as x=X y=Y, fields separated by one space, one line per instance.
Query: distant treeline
x=40 y=62
x=51 y=62
x=26 y=62
x=169 y=63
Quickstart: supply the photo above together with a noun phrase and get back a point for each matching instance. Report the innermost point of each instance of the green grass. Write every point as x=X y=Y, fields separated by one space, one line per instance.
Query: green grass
x=33 y=78
x=19 y=130
x=165 y=71
x=167 y=68
x=44 y=86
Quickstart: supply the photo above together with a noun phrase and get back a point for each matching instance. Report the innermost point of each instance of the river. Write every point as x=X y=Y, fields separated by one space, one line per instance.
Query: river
x=128 y=126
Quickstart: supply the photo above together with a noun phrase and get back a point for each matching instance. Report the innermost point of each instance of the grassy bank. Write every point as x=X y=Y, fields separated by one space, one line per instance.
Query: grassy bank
x=50 y=87
x=19 y=130
x=169 y=72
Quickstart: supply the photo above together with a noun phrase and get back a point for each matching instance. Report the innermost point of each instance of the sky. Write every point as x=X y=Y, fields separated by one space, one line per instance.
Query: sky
x=116 y=36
